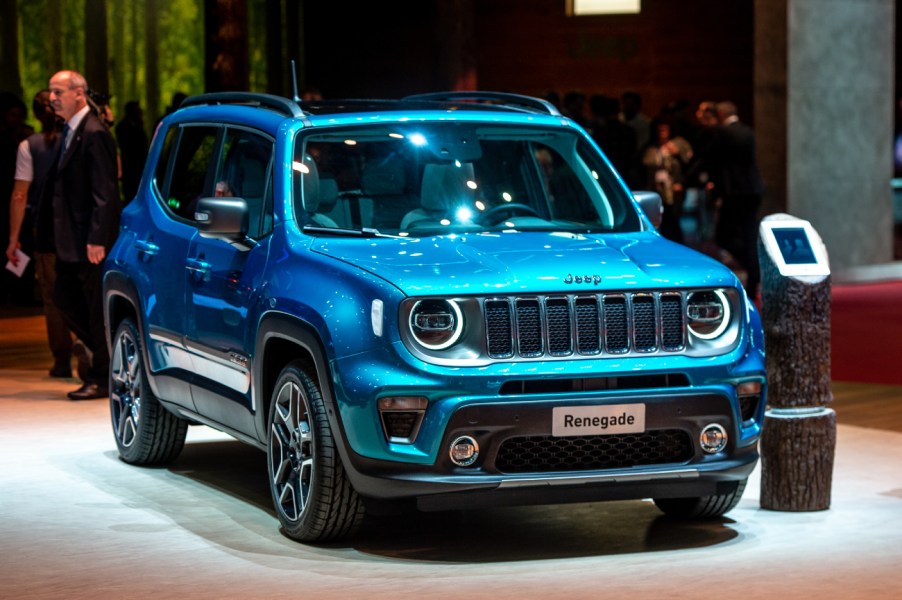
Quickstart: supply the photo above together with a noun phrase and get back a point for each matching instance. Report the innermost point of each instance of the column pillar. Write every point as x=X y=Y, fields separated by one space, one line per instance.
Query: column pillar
x=824 y=102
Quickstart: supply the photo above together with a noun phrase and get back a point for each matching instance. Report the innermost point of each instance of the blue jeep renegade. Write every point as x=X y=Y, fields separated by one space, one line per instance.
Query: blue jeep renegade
x=449 y=300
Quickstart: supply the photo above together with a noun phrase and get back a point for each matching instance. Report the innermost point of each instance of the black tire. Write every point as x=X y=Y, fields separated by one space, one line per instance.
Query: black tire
x=311 y=492
x=146 y=433
x=706 y=507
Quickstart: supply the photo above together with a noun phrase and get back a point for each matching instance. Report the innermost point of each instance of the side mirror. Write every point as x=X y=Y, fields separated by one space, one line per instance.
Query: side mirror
x=223 y=219
x=651 y=205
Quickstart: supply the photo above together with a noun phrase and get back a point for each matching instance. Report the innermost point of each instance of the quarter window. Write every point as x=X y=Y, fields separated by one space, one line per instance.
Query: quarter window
x=163 y=161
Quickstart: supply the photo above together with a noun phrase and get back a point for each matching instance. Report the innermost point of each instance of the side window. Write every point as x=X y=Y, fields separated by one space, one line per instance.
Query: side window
x=191 y=177
x=245 y=171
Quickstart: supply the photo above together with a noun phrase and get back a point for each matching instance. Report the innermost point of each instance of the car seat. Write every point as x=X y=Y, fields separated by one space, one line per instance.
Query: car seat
x=444 y=187
x=246 y=175
x=386 y=196
x=308 y=194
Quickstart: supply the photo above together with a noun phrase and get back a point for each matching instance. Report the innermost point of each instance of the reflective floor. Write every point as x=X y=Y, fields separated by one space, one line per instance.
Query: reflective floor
x=75 y=522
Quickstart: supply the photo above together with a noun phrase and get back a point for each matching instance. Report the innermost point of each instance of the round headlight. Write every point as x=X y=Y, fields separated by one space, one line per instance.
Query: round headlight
x=708 y=313
x=436 y=324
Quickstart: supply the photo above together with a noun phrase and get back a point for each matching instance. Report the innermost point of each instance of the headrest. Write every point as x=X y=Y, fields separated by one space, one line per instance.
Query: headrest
x=245 y=169
x=384 y=177
x=252 y=180
x=445 y=185
x=328 y=194
x=309 y=188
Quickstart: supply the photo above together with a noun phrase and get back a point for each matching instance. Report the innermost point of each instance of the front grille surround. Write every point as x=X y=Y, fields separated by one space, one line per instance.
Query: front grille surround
x=574 y=326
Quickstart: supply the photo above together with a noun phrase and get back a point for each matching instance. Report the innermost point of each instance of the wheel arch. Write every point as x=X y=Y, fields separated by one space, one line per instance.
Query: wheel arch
x=120 y=301
x=282 y=339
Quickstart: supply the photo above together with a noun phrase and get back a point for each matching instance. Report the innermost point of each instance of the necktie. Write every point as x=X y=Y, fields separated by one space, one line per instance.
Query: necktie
x=63 y=140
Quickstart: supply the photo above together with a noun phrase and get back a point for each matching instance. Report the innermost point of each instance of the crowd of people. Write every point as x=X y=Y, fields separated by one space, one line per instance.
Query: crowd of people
x=63 y=188
x=702 y=165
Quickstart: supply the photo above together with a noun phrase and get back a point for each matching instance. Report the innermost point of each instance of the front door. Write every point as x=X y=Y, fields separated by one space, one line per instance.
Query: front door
x=224 y=287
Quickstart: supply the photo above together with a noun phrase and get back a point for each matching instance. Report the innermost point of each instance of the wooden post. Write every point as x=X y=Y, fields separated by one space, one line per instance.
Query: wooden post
x=799 y=436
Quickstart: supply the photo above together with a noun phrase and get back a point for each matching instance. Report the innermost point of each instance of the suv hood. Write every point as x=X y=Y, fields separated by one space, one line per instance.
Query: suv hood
x=528 y=263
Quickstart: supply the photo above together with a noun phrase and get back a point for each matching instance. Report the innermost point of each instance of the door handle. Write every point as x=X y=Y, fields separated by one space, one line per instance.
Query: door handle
x=199 y=268
x=147 y=247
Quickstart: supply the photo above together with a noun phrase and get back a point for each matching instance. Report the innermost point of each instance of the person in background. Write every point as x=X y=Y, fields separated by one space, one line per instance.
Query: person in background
x=13 y=129
x=631 y=114
x=34 y=164
x=665 y=162
x=698 y=176
x=133 y=144
x=616 y=139
x=311 y=94
x=85 y=199
x=177 y=99
x=737 y=180
x=574 y=107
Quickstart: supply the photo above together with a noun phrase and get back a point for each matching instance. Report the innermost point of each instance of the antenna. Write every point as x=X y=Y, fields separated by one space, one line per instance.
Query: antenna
x=294 y=81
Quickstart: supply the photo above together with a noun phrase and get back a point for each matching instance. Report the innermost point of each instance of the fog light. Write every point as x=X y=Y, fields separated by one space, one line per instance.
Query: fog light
x=464 y=451
x=713 y=439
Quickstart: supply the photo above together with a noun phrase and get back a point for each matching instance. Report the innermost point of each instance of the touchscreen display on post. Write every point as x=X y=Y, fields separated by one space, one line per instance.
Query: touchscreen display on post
x=795 y=246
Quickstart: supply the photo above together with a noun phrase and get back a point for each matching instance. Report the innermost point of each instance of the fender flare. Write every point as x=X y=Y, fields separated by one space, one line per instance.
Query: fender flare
x=274 y=326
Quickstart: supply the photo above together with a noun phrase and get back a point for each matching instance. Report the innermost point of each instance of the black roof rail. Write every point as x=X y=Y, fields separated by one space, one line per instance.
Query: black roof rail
x=504 y=98
x=279 y=104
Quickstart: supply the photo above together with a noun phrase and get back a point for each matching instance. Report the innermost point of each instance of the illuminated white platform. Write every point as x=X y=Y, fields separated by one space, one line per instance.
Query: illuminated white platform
x=75 y=522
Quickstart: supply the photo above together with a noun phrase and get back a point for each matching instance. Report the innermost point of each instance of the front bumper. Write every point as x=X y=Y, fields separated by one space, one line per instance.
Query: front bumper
x=677 y=483
x=702 y=393
x=520 y=461
x=435 y=491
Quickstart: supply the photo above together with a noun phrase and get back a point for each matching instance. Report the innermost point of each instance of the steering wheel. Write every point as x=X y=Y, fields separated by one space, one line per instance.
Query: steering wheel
x=496 y=213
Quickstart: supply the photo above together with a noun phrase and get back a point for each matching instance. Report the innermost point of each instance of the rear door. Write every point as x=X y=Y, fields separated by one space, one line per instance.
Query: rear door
x=182 y=175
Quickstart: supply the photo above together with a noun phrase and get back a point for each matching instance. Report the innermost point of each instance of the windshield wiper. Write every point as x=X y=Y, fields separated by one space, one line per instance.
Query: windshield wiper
x=364 y=232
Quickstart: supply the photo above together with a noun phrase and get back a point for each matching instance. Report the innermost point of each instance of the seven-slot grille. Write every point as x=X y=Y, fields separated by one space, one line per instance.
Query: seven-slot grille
x=588 y=325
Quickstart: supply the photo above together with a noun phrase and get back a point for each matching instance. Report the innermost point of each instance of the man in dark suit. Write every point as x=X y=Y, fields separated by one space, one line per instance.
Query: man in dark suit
x=85 y=201
x=734 y=170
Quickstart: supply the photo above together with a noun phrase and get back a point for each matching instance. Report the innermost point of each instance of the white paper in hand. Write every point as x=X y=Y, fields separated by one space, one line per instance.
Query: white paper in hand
x=19 y=268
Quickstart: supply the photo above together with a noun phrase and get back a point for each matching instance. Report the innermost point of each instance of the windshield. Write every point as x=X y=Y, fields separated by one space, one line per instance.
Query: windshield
x=441 y=178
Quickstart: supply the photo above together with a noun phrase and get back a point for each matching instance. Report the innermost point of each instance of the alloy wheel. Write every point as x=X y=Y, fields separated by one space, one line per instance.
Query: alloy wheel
x=291 y=452
x=125 y=391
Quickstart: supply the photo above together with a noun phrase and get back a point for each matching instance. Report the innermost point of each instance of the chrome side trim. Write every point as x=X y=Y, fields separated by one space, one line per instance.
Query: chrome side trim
x=167 y=351
x=227 y=367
